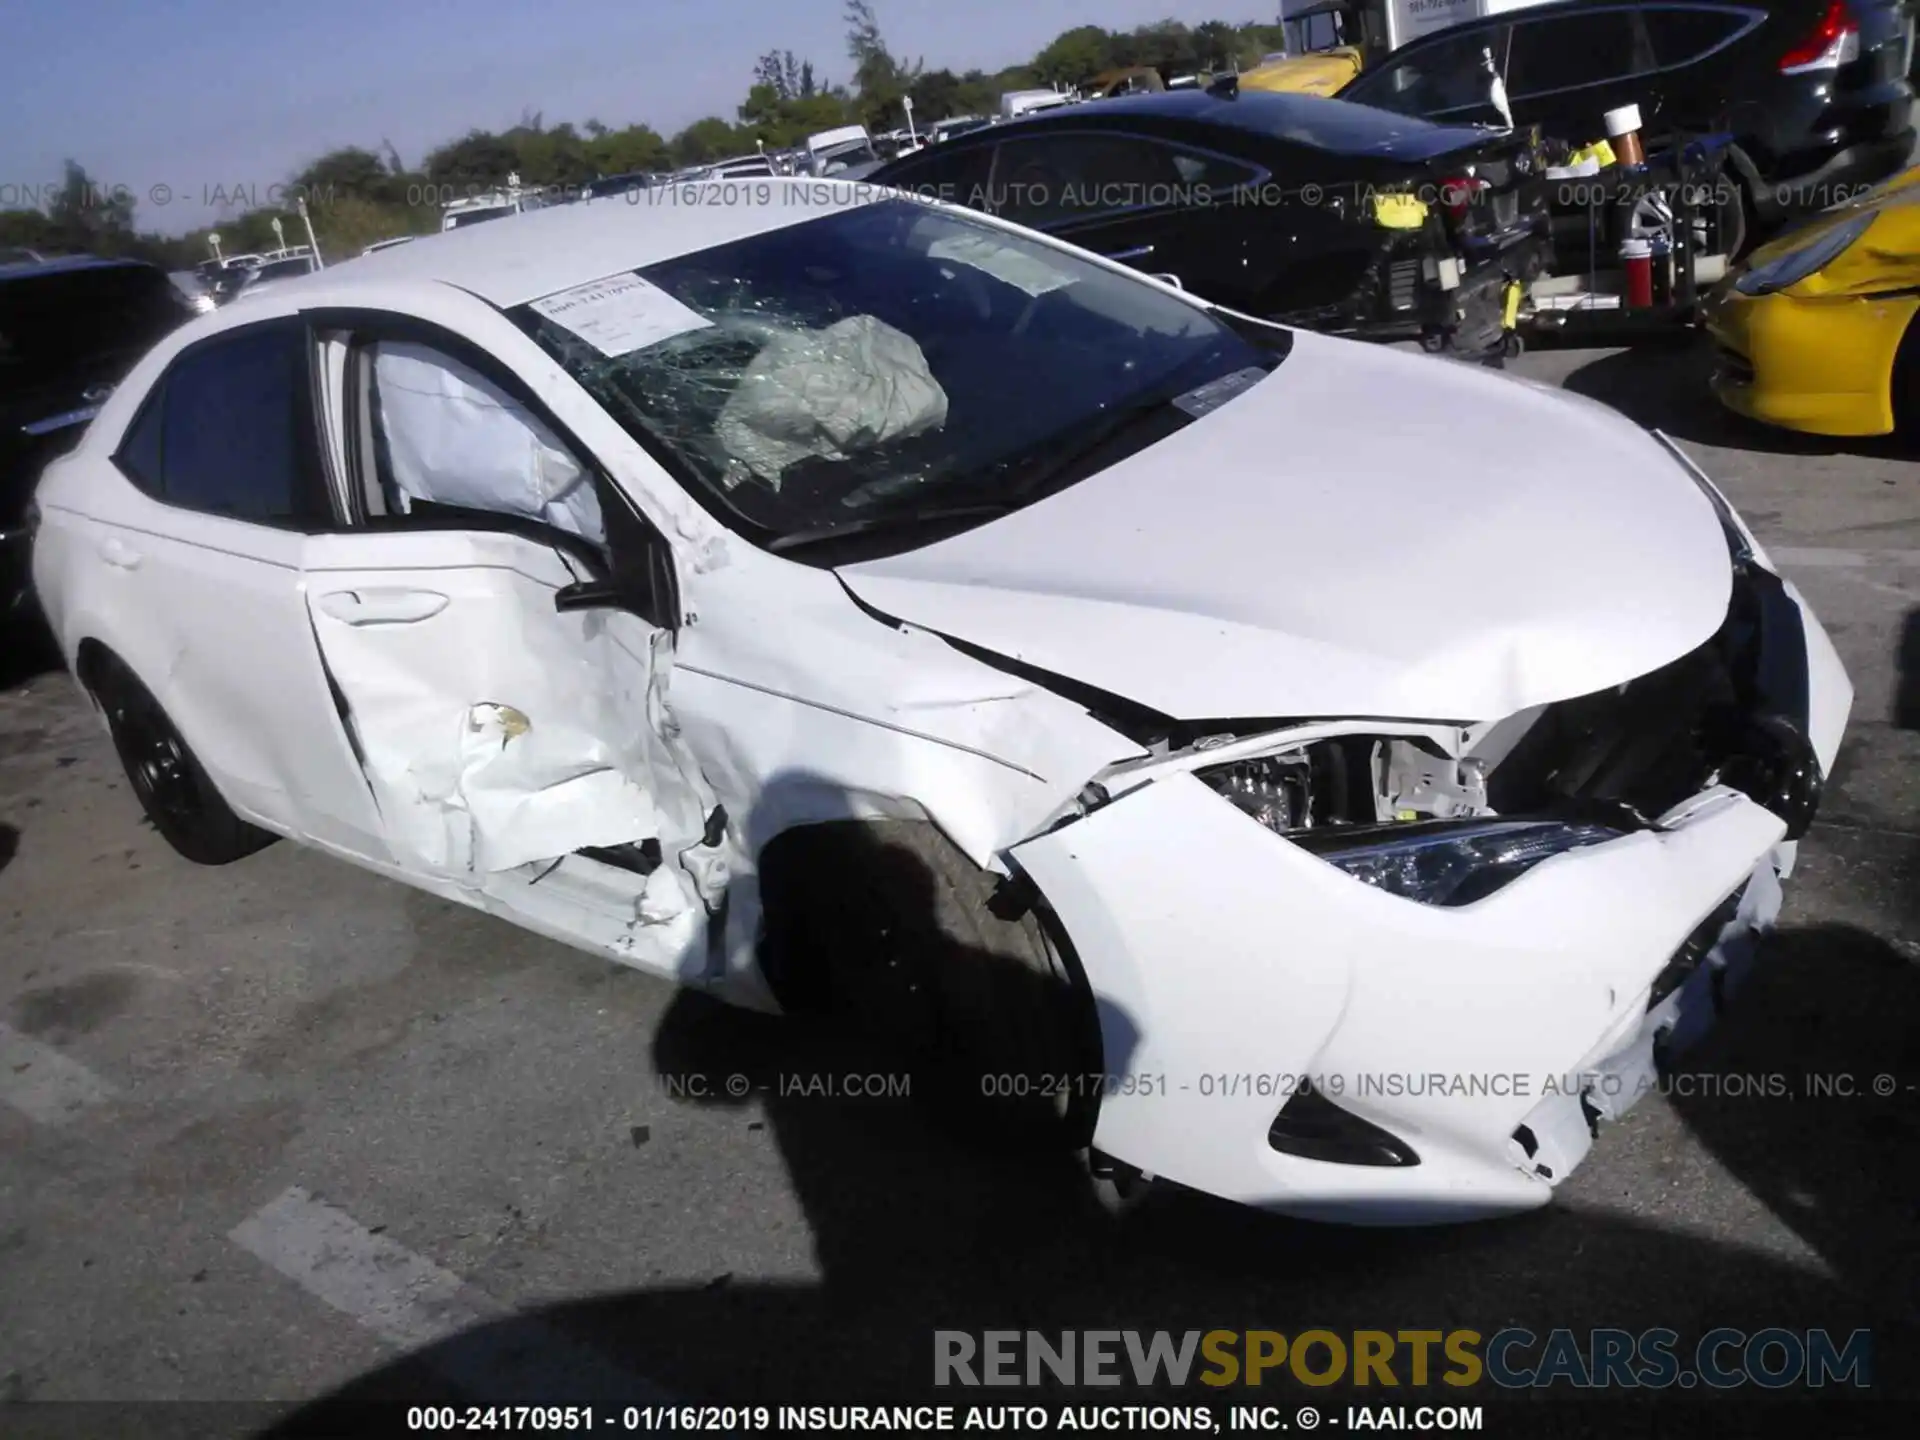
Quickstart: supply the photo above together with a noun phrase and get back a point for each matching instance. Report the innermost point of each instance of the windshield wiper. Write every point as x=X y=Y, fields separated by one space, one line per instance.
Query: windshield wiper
x=1040 y=471
x=885 y=520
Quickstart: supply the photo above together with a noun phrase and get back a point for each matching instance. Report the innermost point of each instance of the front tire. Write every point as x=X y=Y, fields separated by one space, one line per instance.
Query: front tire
x=169 y=781
x=886 y=927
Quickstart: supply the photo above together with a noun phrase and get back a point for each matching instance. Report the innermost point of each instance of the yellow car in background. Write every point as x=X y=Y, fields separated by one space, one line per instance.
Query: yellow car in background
x=1319 y=72
x=1812 y=327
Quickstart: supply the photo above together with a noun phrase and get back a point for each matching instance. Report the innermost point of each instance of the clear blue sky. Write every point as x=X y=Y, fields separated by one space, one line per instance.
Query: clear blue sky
x=194 y=95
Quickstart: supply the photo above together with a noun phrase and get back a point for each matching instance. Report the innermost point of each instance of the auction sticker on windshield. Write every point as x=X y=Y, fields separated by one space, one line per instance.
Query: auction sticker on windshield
x=1018 y=267
x=620 y=314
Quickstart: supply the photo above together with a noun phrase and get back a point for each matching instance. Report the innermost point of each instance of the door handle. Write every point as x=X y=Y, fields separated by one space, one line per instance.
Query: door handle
x=119 y=554
x=383 y=607
x=1139 y=252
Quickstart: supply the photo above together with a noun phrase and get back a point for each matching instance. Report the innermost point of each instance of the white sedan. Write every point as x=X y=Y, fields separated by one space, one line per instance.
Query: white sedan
x=1323 y=776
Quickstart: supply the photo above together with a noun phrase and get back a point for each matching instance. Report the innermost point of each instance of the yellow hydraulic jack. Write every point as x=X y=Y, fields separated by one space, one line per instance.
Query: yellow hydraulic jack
x=1510 y=341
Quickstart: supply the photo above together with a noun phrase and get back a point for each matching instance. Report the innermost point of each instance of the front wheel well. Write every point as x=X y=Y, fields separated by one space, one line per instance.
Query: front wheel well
x=1903 y=384
x=92 y=661
x=954 y=967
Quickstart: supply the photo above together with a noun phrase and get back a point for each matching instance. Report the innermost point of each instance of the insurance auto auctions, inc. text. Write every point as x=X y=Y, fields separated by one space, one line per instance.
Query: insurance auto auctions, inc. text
x=1123 y=1419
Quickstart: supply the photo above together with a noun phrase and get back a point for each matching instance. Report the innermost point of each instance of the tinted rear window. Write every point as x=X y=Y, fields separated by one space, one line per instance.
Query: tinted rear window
x=69 y=317
x=283 y=269
x=230 y=431
x=1683 y=35
x=1568 y=51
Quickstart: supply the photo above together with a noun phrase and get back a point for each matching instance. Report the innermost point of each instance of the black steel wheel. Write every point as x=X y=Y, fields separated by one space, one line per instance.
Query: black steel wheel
x=171 y=785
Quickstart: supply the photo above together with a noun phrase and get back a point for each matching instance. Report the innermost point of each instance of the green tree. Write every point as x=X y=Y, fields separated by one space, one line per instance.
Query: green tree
x=936 y=95
x=706 y=140
x=476 y=161
x=1216 y=44
x=349 y=173
x=89 y=217
x=879 y=79
x=1075 y=56
x=625 y=152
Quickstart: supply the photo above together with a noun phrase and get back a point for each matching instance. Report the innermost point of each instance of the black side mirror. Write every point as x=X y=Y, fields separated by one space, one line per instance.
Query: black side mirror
x=589 y=595
x=644 y=581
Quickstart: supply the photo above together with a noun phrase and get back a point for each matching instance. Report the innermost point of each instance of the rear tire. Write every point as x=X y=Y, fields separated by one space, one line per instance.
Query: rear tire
x=170 y=783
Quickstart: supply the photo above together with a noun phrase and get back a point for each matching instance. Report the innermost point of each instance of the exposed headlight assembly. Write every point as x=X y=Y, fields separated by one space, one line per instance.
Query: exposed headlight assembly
x=1797 y=264
x=1448 y=862
x=1305 y=797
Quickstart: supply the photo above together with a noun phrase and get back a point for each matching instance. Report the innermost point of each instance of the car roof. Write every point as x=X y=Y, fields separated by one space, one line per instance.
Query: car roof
x=1261 y=114
x=540 y=252
x=1557 y=8
x=66 y=264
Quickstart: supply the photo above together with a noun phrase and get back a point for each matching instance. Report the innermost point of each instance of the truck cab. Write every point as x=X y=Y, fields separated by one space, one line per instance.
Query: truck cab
x=846 y=151
x=1332 y=41
x=496 y=205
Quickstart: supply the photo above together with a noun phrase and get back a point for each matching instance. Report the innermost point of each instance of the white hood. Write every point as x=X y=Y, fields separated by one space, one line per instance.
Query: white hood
x=1364 y=533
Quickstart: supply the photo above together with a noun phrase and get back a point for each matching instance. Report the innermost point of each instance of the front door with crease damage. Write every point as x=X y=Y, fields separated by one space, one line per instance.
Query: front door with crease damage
x=501 y=738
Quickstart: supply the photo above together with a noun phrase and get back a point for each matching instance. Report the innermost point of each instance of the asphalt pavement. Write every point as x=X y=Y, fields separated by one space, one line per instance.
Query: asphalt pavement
x=283 y=1131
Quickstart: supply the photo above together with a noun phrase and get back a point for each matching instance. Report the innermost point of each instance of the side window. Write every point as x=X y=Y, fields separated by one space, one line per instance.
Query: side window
x=957 y=174
x=139 y=453
x=1575 y=50
x=1072 y=177
x=446 y=437
x=1444 y=76
x=1681 y=36
x=229 y=431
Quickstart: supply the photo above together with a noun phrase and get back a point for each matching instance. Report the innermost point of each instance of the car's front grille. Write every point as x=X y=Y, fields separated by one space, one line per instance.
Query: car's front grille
x=1735 y=710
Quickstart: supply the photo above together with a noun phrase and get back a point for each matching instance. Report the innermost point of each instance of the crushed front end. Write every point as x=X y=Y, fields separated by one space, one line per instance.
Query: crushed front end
x=1387 y=972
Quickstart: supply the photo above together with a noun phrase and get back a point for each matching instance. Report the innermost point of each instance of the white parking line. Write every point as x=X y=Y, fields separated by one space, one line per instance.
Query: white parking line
x=411 y=1303
x=44 y=1085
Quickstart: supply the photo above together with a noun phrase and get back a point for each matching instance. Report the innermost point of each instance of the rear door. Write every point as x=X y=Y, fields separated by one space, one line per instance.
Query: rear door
x=498 y=625
x=193 y=566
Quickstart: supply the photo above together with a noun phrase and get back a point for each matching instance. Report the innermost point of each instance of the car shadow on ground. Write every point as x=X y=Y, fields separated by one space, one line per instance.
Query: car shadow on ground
x=26 y=650
x=9 y=845
x=1906 y=668
x=1663 y=385
x=917 y=1229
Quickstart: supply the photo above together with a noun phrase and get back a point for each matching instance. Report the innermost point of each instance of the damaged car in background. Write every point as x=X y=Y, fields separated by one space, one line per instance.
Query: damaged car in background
x=845 y=603
x=1343 y=218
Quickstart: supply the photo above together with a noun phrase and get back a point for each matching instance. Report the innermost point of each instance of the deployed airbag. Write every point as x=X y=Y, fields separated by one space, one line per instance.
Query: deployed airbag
x=455 y=438
x=830 y=393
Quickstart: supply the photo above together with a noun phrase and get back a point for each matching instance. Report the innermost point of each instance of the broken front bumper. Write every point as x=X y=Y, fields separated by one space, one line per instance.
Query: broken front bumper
x=1227 y=965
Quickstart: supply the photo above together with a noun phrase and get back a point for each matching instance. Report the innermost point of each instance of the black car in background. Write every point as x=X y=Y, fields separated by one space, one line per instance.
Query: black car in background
x=1814 y=92
x=70 y=328
x=1333 y=216
x=628 y=185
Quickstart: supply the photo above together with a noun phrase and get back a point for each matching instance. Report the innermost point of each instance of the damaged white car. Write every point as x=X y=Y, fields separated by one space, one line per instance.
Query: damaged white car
x=841 y=600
